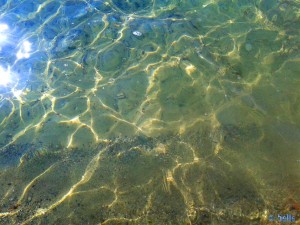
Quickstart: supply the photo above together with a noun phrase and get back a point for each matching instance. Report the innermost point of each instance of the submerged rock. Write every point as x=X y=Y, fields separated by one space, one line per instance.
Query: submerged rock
x=132 y=6
x=137 y=33
x=248 y=47
x=113 y=58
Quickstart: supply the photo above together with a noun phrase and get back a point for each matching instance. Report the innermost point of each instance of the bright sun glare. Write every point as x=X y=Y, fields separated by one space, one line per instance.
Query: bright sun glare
x=5 y=76
x=3 y=30
x=24 y=50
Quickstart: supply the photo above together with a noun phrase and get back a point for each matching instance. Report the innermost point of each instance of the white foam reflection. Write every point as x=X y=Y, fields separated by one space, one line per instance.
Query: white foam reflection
x=3 y=33
x=24 y=51
x=5 y=76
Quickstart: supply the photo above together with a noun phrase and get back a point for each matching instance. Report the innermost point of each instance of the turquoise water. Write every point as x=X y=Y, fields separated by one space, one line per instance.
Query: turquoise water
x=149 y=112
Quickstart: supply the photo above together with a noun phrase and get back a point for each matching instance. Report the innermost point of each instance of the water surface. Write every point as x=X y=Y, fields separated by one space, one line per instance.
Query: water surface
x=149 y=112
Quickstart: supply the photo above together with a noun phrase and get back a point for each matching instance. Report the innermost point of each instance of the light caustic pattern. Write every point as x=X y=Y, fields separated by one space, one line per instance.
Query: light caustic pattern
x=149 y=112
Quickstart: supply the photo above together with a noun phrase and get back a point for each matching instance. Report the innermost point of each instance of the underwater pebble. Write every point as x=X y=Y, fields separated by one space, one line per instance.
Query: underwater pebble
x=113 y=58
x=248 y=47
x=274 y=18
x=121 y=95
x=111 y=80
x=137 y=33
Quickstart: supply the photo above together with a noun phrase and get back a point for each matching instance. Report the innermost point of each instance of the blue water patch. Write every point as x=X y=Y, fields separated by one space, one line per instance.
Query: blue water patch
x=49 y=10
x=101 y=6
x=75 y=9
x=25 y=8
x=132 y=6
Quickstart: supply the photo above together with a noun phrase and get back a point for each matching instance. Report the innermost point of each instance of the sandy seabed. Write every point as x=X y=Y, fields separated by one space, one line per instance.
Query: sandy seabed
x=150 y=112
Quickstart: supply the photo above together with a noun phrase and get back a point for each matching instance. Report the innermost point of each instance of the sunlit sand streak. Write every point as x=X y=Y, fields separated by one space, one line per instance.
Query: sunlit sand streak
x=120 y=32
x=124 y=27
x=48 y=95
x=89 y=171
x=115 y=114
x=263 y=20
x=107 y=107
x=173 y=62
x=138 y=66
x=88 y=108
x=141 y=108
x=91 y=190
x=4 y=214
x=77 y=89
x=184 y=189
x=20 y=113
x=126 y=122
x=49 y=18
x=150 y=101
x=106 y=24
x=155 y=72
x=225 y=161
x=168 y=179
x=53 y=102
x=153 y=75
x=196 y=158
x=8 y=193
x=295 y=60
x=205 y=59
x=47 y=69
x=115 y=200
x=207 y=3
x=11 y=113
x=121 y=35
x=235 y=51
x=18 y=135
x=33 y=181
x=149 y=201
x=135 y=67
x=76 y=120
x=140 y=63
x=115 y=8
x=70 y=138
x=223 y=89
x=98 y=77
x=149 y=123
x=120 y=220
x=196 y=161
x=37 y=126
x=153 y=11
x=41 y=6
x=179 y=39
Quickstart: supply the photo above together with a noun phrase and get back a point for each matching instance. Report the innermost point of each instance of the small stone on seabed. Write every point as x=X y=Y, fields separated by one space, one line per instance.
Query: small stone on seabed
x=111 y=80
x=137 y=33
x=121 y=95
x=248 y=47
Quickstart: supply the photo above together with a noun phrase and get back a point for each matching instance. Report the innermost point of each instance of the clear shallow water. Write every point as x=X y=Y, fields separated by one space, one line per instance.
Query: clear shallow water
x=149 y=112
